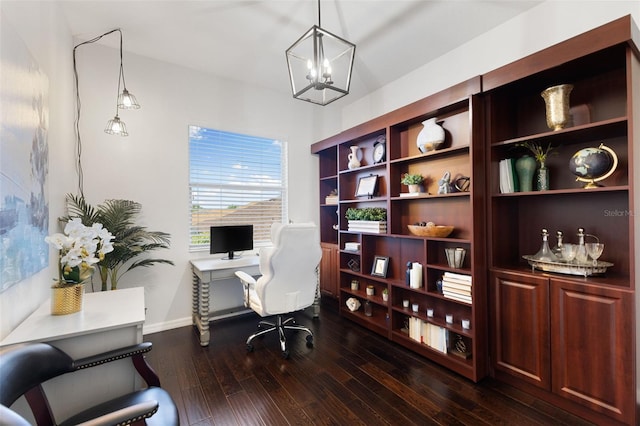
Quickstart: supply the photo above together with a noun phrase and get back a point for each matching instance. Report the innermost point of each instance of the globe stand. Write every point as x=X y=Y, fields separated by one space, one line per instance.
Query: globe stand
x=591 y=182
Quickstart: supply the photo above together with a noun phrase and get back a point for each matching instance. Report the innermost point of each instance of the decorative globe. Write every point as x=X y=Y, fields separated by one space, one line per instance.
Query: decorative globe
x=593 y=164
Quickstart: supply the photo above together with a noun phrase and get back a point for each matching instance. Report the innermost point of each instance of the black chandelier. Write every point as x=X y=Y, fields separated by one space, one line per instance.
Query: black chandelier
x=320 y=65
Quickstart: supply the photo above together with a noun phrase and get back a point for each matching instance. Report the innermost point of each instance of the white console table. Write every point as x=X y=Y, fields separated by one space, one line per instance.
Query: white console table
x=108 y=320
x=205 y=271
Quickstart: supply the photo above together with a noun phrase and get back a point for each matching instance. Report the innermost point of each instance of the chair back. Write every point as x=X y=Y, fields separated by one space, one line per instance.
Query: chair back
x=24 y=366
x=289 y=268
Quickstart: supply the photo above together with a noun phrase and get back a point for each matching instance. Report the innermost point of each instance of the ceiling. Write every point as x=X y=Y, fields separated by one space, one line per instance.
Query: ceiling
x=245 y=40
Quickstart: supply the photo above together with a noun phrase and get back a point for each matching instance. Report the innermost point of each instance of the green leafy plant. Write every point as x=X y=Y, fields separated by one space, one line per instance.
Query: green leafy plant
x=412 y=179
x=368 y=213
x=130 y=240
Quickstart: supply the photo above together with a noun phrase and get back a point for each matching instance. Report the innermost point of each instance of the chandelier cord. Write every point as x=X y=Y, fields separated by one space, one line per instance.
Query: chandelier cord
x=319 y=24
x=78 y=104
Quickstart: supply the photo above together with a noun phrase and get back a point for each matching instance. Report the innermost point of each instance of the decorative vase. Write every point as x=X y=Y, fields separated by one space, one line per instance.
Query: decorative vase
x=354 y=160
x=414 y=188
x=556 y=99
x=525 y=168
x=542 y=178
x=66 y=299
x=431 y=136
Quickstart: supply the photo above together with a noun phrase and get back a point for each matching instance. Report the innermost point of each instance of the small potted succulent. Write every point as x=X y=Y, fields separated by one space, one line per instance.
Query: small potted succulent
x=385 y=294
x=413 y=181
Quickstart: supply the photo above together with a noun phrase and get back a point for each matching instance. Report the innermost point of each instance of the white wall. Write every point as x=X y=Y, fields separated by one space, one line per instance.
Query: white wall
x=45 y=33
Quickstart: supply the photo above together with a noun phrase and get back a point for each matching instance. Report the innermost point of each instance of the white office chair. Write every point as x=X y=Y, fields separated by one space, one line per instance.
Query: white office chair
x=289 y=280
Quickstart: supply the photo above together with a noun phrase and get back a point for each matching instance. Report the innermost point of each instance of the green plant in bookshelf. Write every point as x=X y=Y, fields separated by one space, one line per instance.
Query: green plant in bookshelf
x=367 y=213
x=412 y=179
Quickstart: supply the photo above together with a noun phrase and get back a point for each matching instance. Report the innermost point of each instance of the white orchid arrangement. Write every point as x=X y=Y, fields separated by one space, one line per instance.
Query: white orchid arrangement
x=80 y=247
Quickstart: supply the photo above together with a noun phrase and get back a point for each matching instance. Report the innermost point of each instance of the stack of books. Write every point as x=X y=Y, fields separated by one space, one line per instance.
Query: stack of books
x=371 y=226
x=508 y=176
x=432 y=335
x=457 y=287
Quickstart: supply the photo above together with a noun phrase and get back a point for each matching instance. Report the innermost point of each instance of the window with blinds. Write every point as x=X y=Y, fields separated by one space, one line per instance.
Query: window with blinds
x=235 y=179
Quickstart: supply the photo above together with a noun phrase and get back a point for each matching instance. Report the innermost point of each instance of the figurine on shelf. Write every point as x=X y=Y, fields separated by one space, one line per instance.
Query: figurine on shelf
x=444 y=184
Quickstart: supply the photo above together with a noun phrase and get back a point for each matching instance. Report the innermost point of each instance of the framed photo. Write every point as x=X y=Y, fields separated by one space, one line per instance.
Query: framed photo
x=380 y=265
x=367 y=186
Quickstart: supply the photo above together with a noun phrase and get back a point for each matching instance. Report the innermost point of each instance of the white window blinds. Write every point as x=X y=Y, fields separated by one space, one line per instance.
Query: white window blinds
x=235 y=179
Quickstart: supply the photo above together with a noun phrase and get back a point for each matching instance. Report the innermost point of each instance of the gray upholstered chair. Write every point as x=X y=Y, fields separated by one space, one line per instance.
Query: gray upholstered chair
x=289 y=280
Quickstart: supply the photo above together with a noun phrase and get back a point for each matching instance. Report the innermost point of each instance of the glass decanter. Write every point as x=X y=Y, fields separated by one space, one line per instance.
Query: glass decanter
x=557 y=250
x=581 y=253
x=545 y=254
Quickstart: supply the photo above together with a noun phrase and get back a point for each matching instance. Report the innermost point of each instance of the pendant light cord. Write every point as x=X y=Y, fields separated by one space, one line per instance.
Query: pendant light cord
x=78 y=104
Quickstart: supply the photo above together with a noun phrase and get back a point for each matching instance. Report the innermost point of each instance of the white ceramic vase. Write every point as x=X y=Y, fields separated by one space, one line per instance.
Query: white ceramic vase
x=354 y=161
x=431 y=136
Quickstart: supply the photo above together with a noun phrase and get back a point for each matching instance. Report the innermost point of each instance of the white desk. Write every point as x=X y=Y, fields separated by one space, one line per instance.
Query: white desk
x=108 y=320
x=205 y=271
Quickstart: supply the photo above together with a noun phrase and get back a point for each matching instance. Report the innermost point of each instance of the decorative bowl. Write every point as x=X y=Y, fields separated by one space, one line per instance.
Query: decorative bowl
x=431 y=230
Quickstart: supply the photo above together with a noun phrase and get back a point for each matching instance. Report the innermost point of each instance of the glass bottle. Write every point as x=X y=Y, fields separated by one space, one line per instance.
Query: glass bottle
x=545 y=254
x=581 y=254
x=557 y=250
x=368 y=309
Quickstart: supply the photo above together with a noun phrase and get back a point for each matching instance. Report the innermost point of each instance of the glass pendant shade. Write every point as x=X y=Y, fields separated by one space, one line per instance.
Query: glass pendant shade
x=320 y=65
x=127 y=101
x=116 y=127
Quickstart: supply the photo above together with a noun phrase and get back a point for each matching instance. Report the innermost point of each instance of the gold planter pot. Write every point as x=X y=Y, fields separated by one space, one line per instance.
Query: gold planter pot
x=66 y=299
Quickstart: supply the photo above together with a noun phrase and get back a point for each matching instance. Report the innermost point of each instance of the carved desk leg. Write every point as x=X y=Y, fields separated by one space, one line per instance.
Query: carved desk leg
x=316 y=301
x=201 y=309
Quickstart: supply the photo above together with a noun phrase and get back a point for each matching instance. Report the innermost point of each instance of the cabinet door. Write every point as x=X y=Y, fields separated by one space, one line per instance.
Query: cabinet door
x=329 y=270
x=592 y=340
x=521 y=327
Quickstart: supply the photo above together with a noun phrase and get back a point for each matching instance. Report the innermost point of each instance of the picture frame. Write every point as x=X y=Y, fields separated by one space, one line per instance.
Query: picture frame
x=367 y=186
x=380 y=266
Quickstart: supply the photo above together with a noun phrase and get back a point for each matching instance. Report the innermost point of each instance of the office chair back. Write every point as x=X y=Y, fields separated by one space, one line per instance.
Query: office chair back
x=289 y=279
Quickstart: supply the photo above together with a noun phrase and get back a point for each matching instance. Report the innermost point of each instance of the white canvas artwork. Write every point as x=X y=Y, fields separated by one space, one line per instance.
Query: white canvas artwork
x=24 y=161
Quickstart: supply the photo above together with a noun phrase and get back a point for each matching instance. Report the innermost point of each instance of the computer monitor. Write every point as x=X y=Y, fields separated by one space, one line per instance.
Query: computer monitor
x=230 y=238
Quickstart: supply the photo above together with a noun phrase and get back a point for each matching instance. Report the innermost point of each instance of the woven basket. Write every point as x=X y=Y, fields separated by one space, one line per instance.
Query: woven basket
x=66 y=299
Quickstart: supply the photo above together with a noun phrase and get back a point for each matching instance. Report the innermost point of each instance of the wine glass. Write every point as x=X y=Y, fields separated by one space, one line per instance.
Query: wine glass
x=569 y=252
x=594 y=250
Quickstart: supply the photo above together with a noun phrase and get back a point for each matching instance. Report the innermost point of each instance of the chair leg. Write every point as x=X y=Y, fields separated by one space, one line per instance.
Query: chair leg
x=280 y=326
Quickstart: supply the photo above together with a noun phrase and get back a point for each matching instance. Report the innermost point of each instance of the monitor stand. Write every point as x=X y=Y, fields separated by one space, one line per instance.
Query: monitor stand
x=231 y=256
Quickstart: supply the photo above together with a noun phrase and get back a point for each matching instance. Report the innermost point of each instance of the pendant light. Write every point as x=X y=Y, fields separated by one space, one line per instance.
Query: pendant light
x=320 y=65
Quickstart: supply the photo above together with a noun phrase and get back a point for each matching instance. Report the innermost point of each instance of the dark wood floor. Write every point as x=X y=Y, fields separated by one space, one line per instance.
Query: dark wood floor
x=351 y=376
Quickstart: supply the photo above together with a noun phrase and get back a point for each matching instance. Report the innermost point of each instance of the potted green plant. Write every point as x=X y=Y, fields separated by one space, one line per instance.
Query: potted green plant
x=413 y=181
x=131 y=241
x=385 y=294
x=367 y=219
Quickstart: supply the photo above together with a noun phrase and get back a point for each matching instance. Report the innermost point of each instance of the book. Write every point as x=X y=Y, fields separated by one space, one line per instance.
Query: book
x=458 y=297
x=456 y=285
x=456 y=276
x=464 y=292
x=412 y=194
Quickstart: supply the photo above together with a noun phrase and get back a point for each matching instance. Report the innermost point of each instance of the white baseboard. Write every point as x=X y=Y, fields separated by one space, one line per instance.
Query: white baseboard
x=184 y=322
x=164 y=326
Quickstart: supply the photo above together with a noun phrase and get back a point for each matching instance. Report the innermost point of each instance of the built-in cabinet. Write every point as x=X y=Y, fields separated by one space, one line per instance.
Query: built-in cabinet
x=568 y=339
x=459 y=111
